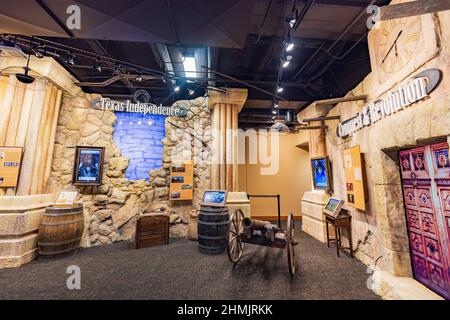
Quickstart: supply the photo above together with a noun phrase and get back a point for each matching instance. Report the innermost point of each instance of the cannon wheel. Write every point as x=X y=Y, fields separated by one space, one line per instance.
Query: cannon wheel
x=290 y=237
x=235 y=246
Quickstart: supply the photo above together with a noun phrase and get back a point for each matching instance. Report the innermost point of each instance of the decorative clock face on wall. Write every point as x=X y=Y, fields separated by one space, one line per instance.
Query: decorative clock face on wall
x=398 y=41
x=399 y=47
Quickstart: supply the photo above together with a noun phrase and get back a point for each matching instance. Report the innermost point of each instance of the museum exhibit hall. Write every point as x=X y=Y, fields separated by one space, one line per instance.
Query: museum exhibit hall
x=247 y=151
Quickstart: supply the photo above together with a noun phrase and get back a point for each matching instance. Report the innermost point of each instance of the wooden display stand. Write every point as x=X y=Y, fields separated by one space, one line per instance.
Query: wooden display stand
x=343 y=220
x=152 y=229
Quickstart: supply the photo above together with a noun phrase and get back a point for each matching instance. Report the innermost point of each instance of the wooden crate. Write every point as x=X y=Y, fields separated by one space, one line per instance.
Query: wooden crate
x=152 y=230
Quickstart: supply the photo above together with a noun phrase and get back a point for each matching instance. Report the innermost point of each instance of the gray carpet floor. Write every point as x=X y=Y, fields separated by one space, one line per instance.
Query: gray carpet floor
x=179 y=271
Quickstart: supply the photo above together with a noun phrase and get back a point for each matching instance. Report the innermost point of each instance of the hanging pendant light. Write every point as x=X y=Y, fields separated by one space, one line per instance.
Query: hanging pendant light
x=24 y=77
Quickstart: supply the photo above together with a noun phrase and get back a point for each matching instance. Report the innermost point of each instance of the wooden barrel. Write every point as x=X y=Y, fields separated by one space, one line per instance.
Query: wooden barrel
x=60 y=230
x=213 y=229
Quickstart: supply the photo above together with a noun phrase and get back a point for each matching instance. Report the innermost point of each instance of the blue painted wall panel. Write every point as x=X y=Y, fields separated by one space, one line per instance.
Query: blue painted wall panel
x=139 y=137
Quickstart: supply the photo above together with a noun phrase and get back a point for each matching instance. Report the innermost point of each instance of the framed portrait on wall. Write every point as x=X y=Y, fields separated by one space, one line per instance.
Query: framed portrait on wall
x=88 y=169
x=321 y=171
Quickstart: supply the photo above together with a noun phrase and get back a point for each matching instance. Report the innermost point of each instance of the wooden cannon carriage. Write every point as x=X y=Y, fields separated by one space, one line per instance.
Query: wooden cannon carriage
x=246 y=230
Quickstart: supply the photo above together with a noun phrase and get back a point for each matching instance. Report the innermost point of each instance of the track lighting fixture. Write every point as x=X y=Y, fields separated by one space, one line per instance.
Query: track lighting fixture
x=98 y=65
x=191 y=92
x=70 y=59
x=285 y=61
x=276 y=105
x=280 y=89
x=274 y=112
x=139 y=76
x=176 y=89
x=40 y=51
x=292 y=20
x=116 y=70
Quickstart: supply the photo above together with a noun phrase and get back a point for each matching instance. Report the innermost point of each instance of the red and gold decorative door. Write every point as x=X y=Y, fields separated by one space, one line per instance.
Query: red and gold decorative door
x=426 y=188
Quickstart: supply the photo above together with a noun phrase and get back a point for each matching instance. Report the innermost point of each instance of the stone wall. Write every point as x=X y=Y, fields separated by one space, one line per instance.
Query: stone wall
x=380 y=233
x=112 y=208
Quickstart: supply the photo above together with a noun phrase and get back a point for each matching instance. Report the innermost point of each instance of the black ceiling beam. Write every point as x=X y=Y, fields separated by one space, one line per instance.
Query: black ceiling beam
x=347 y=3
x=55 y=18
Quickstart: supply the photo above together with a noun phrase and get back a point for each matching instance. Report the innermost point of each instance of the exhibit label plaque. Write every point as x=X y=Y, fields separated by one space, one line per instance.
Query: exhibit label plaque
x=181 y=180
x=354 y=178
x=10 y=162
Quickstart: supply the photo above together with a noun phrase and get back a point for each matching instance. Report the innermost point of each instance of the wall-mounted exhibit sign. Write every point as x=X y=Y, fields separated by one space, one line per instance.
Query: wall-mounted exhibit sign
x=88 y=168
x=415 y=90
x=10 y=163
x=355 y=178
x=181 y=180
x=321 y=171
x=138 y=107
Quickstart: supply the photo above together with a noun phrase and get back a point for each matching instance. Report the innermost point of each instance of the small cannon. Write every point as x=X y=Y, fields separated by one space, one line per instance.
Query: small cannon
x=247 y=230
x=260 y=228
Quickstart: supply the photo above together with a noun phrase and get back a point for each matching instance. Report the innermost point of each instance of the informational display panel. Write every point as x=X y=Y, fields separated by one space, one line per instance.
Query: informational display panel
x=354 y=178
x=10 y=162
x=181 y=180
x=66 y=198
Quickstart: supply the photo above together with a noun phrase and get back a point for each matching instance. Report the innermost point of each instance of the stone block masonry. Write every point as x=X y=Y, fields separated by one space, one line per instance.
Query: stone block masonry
x=111 y=210
x=139 y=138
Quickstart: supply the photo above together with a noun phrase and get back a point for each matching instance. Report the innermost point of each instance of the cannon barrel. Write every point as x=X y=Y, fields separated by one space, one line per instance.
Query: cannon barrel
x=254 y=224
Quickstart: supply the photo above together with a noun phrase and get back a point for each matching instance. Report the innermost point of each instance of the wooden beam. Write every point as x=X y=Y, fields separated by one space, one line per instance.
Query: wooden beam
x=413 y=8
x=322 y=119
x=311 y=127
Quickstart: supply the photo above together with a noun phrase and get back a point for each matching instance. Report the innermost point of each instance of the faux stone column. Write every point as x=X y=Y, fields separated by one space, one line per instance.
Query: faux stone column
x=28 y=119
x=225 y=108
x=313 y=222
x=29 y=115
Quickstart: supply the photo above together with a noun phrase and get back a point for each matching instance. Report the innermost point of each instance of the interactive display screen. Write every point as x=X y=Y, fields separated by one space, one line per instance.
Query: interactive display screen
x=320 y=168
x=332 y=205
x=217 y=197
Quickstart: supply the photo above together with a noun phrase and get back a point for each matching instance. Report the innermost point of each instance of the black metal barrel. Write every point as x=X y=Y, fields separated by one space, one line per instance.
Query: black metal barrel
x=213 y=229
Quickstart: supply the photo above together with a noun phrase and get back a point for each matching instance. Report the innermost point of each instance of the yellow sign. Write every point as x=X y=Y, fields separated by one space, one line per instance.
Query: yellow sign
x=354 y=178
x=10 y=162
x=181 y=180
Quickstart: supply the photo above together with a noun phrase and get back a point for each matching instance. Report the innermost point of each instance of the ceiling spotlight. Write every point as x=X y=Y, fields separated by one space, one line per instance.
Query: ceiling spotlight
x=139 y=77
x=280 y=89
x=176 y=89
x=276 y=105
x=292 y=22
x=70 y=59
x=293 y=19
x=40 y=51
x=116 y=70
x=98 y=65
x=289 y=46
x=285 y=60
x=191 y=92
x=274 y=112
